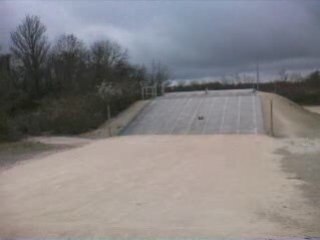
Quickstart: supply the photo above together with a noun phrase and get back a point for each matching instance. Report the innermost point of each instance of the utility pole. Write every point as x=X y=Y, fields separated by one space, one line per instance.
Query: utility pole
x=258 y=76
x=271 y=118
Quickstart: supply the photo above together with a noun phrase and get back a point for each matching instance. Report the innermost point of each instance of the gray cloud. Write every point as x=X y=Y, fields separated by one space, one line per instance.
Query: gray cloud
x=194 y=38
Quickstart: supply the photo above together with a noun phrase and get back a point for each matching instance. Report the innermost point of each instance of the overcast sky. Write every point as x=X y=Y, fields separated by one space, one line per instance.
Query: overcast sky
x=196 y=39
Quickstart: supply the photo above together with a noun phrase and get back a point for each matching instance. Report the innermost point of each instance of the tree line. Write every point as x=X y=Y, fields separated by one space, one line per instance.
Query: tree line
x=303 y=90
x=63 y=87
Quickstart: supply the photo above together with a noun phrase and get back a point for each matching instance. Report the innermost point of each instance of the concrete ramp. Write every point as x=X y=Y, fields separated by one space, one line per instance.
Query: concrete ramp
x=200 y=112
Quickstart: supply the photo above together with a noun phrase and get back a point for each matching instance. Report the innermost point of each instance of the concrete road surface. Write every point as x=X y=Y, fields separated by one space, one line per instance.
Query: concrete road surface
x=214 y=112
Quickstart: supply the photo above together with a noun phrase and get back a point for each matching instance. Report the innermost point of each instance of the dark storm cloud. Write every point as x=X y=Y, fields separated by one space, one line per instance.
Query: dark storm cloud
x=194 y=38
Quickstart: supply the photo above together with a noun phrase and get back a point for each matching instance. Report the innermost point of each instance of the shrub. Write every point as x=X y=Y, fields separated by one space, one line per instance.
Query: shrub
x=7 y=131
x=4 y=128
x=67 y=115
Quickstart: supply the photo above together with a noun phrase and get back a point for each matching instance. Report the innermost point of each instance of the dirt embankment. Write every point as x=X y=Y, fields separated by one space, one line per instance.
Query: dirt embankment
x=118 y=123
x=288 y=119
x=315 y=109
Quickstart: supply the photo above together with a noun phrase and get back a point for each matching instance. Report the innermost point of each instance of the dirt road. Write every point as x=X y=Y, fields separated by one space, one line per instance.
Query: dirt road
x=158 y=186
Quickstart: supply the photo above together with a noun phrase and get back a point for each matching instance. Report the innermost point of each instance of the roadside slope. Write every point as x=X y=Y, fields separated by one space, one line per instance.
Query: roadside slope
x=118 y=123
x=315 y=109
x=289 y=119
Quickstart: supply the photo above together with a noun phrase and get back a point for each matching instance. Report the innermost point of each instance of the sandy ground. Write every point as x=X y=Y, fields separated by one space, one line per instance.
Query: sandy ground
x=166 y=186
x=302 y=162
x=315 y=109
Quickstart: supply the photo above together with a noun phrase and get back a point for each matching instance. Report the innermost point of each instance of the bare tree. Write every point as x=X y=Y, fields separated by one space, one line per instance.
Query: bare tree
x=158 y=77
x=283 y=74
x=223 y=79
x=296 y=77
x=159 y=73
x=107 y=53
x=68 y=61
x=5 y=82
x=30 y=46
x=107 y=56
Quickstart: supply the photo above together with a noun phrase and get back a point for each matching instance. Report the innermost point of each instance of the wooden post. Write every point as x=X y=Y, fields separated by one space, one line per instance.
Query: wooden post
x=162 y=89
x=271 y=118
x=142 y=93
x=108 y=112
x=155 y=90
x=110 y=132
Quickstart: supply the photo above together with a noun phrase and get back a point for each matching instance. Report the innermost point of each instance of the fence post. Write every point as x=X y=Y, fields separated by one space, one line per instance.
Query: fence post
x=142 y=92
x=110 y=132
x=271 y=118
x=108 y=112
x=154 y=90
